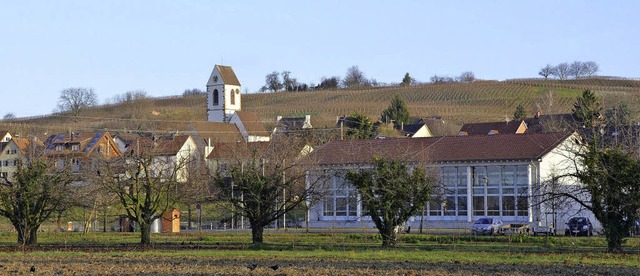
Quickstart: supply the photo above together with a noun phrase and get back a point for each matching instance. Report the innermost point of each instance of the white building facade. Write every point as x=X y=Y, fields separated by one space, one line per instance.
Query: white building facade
x=483 y=176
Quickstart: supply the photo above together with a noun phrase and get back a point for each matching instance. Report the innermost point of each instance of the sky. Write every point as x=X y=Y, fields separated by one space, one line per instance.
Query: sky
x=165 y=47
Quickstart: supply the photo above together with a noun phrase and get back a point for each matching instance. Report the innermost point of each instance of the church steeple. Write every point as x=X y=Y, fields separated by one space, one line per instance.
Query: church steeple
x=223 y=94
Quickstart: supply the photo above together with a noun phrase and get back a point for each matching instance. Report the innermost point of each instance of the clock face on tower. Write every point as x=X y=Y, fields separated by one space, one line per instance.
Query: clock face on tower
x=215 y=78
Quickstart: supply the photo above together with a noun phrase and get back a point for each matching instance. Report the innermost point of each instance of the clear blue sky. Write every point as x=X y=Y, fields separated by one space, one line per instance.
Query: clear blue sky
x=164 y=47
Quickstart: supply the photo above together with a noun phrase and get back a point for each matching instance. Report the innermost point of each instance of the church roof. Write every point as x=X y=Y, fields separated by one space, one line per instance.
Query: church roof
x=252 y=123
x=218 y=132
x=227 y=75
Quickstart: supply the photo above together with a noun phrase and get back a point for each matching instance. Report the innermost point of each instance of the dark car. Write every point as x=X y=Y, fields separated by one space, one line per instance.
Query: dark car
x=579 y=226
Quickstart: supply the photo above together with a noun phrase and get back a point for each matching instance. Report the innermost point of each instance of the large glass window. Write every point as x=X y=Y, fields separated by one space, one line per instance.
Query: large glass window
x=452 y=200
x=478 y=206
x=500 y=190
x=340 y=199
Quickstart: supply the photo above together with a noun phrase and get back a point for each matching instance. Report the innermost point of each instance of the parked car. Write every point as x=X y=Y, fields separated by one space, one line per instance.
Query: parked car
x=486 y=226
x=579 y=226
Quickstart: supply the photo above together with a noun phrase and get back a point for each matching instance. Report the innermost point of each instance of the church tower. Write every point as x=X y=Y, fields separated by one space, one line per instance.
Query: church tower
x=223 y=94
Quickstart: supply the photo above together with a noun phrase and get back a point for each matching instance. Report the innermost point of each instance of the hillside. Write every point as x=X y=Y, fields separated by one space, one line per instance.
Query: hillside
x=456 y=103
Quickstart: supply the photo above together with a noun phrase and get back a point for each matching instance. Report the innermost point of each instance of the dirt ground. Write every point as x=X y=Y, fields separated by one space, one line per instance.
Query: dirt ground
x=112 y=264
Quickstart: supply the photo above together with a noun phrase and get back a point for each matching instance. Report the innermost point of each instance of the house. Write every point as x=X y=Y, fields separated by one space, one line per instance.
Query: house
x=292 y=124
x=224 y=105
x=14 y=150
x=479 y=175
x=517 y=127
x=225 y=154
x=5 y=136
x=170 y=154
x=551 y=123
x=415 y=130
x=75 y=148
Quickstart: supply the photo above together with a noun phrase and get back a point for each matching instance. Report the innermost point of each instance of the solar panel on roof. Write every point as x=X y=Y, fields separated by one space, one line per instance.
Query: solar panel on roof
x=93 y=141
x=53 y=139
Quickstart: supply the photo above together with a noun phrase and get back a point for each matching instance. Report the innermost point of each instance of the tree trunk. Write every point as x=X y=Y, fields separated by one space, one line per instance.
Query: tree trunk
x=145 y=234
x=27 y=236
x=256 y=234
x=614 y=238
x=189 y=216
x=389 y=236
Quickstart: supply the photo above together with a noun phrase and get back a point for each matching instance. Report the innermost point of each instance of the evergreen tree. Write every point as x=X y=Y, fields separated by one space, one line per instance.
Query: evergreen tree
x=586 y=109
x=397 y=112
x=519 y=114
x=359 y=126
x=406 y=81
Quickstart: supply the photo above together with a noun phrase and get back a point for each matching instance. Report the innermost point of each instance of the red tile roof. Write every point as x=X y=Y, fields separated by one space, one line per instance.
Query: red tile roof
x=441 y=149
x=238 y=150
x=24 y=143
x=228 y=75
x=159 y=146
x=252 y=123
x=216 y=131
x=485 y=128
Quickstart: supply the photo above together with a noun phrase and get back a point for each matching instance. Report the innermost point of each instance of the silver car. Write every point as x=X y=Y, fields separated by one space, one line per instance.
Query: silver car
x=486 y=226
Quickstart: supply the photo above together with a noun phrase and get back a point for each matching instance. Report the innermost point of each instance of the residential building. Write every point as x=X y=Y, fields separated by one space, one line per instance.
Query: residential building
x=78 y=149
x=171 y=155
x=15 y=150
x=292 y=124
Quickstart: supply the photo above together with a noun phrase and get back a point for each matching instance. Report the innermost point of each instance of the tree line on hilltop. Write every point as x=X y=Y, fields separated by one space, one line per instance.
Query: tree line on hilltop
x=353 y=78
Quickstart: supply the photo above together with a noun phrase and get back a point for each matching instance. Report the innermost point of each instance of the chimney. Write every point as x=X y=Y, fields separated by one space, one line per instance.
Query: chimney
x=307 y=118
x=278 y=118
x=537 y=115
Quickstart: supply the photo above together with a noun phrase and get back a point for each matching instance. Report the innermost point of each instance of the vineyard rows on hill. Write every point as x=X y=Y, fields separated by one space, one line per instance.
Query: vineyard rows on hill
x=455 y=102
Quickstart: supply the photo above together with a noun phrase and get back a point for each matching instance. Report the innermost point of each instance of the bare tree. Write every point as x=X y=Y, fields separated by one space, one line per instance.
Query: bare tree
x=197 y=189
x=146 y=184
x=354 y=78
x=9 y=116
x=467 y=77
x=546 y=102
x=130 y=97
x=76 y=99
x=576 y=69
x=273 y=82
x=441 y=79
x=194 y=91
x=290 y=84
x=264 y=184
x=589 y=68
x=546 y=71
x=561 y=71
